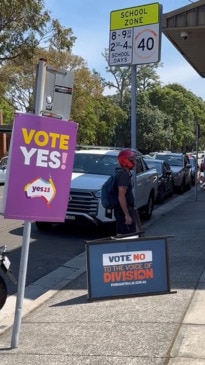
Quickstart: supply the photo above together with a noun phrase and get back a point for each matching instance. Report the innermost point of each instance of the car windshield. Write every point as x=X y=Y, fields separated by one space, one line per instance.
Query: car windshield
x=171 y=159
x=95 y=163
x=3 y=162
x=153 y=164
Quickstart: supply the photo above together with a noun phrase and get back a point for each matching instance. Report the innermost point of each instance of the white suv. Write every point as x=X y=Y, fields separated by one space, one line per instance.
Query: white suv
x=91 y=169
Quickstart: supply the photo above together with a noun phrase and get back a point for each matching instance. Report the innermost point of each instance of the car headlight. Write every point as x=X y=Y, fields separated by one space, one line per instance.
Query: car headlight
x=97 y=194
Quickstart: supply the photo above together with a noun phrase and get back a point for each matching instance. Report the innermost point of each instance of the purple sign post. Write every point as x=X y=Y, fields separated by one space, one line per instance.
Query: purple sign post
x=38 y=182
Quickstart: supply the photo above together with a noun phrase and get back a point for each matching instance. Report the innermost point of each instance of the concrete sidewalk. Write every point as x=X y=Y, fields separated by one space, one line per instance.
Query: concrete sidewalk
x=62 y=327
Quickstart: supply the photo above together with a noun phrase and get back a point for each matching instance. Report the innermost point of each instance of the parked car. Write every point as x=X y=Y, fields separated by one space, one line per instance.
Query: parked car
x=165 y=178
x=180 y=167
x=91 y=169
x=3 y=166
x=194 y=168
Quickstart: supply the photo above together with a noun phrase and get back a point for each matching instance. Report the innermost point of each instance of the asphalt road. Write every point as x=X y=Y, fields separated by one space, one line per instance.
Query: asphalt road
x=47 y=251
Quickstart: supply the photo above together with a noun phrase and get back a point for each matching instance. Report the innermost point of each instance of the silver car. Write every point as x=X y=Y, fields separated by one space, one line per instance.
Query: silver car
x=3 y=166
x=180 y=167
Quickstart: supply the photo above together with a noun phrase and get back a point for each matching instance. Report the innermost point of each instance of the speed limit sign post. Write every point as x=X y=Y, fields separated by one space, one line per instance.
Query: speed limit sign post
x=135 y=35
x=135 y=39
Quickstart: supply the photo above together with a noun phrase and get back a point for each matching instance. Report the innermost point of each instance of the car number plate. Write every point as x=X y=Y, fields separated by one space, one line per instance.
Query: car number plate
x=70 y=217
x=6 y=263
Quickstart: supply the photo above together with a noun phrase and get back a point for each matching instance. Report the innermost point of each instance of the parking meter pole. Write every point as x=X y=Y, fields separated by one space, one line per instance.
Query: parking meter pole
x=40 y=86
x=21 y=284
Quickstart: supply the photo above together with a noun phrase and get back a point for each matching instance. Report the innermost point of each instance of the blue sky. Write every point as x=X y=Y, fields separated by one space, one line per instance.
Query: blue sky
x=90 y=23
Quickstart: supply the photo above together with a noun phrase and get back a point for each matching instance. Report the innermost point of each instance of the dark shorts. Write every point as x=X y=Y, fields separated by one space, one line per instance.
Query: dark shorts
x=121 y=227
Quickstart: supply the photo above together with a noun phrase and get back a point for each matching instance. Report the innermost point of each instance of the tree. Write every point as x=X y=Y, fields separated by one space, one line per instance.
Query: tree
x=24 y=25
x=7 y=111
x=146 y=77
x=197 y=106
x=184 y=110
x=96 y=114
x=151 y=134
x=111 y=118
x=19 y=79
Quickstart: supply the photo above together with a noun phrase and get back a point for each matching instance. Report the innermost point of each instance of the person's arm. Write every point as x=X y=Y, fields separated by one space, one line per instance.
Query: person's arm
x=123 y=203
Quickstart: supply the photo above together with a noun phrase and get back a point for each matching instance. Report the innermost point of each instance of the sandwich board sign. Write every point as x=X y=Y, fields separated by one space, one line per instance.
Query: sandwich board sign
x=123 y=267
x=135 y=35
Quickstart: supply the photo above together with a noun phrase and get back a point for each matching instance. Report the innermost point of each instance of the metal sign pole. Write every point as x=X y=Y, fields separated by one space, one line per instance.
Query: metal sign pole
x=21 y=284
x=134 y=136
x=135 y=45
x=133 y=107
x=40 y=86
x=133 y=121
x=197 y=148
x=27 y=225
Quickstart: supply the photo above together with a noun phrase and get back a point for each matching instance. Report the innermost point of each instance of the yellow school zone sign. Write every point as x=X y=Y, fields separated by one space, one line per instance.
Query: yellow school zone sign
x=134 y=17
x=135 y=35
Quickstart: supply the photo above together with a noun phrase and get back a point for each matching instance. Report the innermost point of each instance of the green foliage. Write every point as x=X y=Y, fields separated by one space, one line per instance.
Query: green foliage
x=184 y=109
x=7 y=112
x=18 y=80
x=147 y=77
x=150 y=125
x=24 y=25
x=166 y=116
x=95 y=113
x=110 y=117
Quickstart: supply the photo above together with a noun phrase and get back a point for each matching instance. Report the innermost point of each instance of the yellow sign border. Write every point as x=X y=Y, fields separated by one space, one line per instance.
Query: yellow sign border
x=135 y=16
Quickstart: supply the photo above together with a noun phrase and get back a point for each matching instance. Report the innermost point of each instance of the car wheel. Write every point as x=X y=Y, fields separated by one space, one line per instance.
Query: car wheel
x=44 y=226
x=149 y=207
x=3 y=292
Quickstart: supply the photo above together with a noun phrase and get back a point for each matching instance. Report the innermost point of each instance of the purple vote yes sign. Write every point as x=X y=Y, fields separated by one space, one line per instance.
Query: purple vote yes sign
x=39 y=168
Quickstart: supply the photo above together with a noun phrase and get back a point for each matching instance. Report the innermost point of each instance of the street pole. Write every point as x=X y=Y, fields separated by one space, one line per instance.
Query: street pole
x=197 y=149
x=133 y=107
x=40 y=86
x=134 y=136
x=39 y=93
x=21 y=285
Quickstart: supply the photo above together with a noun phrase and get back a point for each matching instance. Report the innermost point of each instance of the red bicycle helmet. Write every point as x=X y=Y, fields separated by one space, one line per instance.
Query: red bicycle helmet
x=127 y=157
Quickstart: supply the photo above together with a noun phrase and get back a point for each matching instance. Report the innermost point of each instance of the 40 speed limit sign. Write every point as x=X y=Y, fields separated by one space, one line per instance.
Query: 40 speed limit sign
x=135 y=35
x=146 y=45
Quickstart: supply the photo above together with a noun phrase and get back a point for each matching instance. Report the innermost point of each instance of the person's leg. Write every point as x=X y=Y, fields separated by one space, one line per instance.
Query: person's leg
x=121 y=227
x=132 y=227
